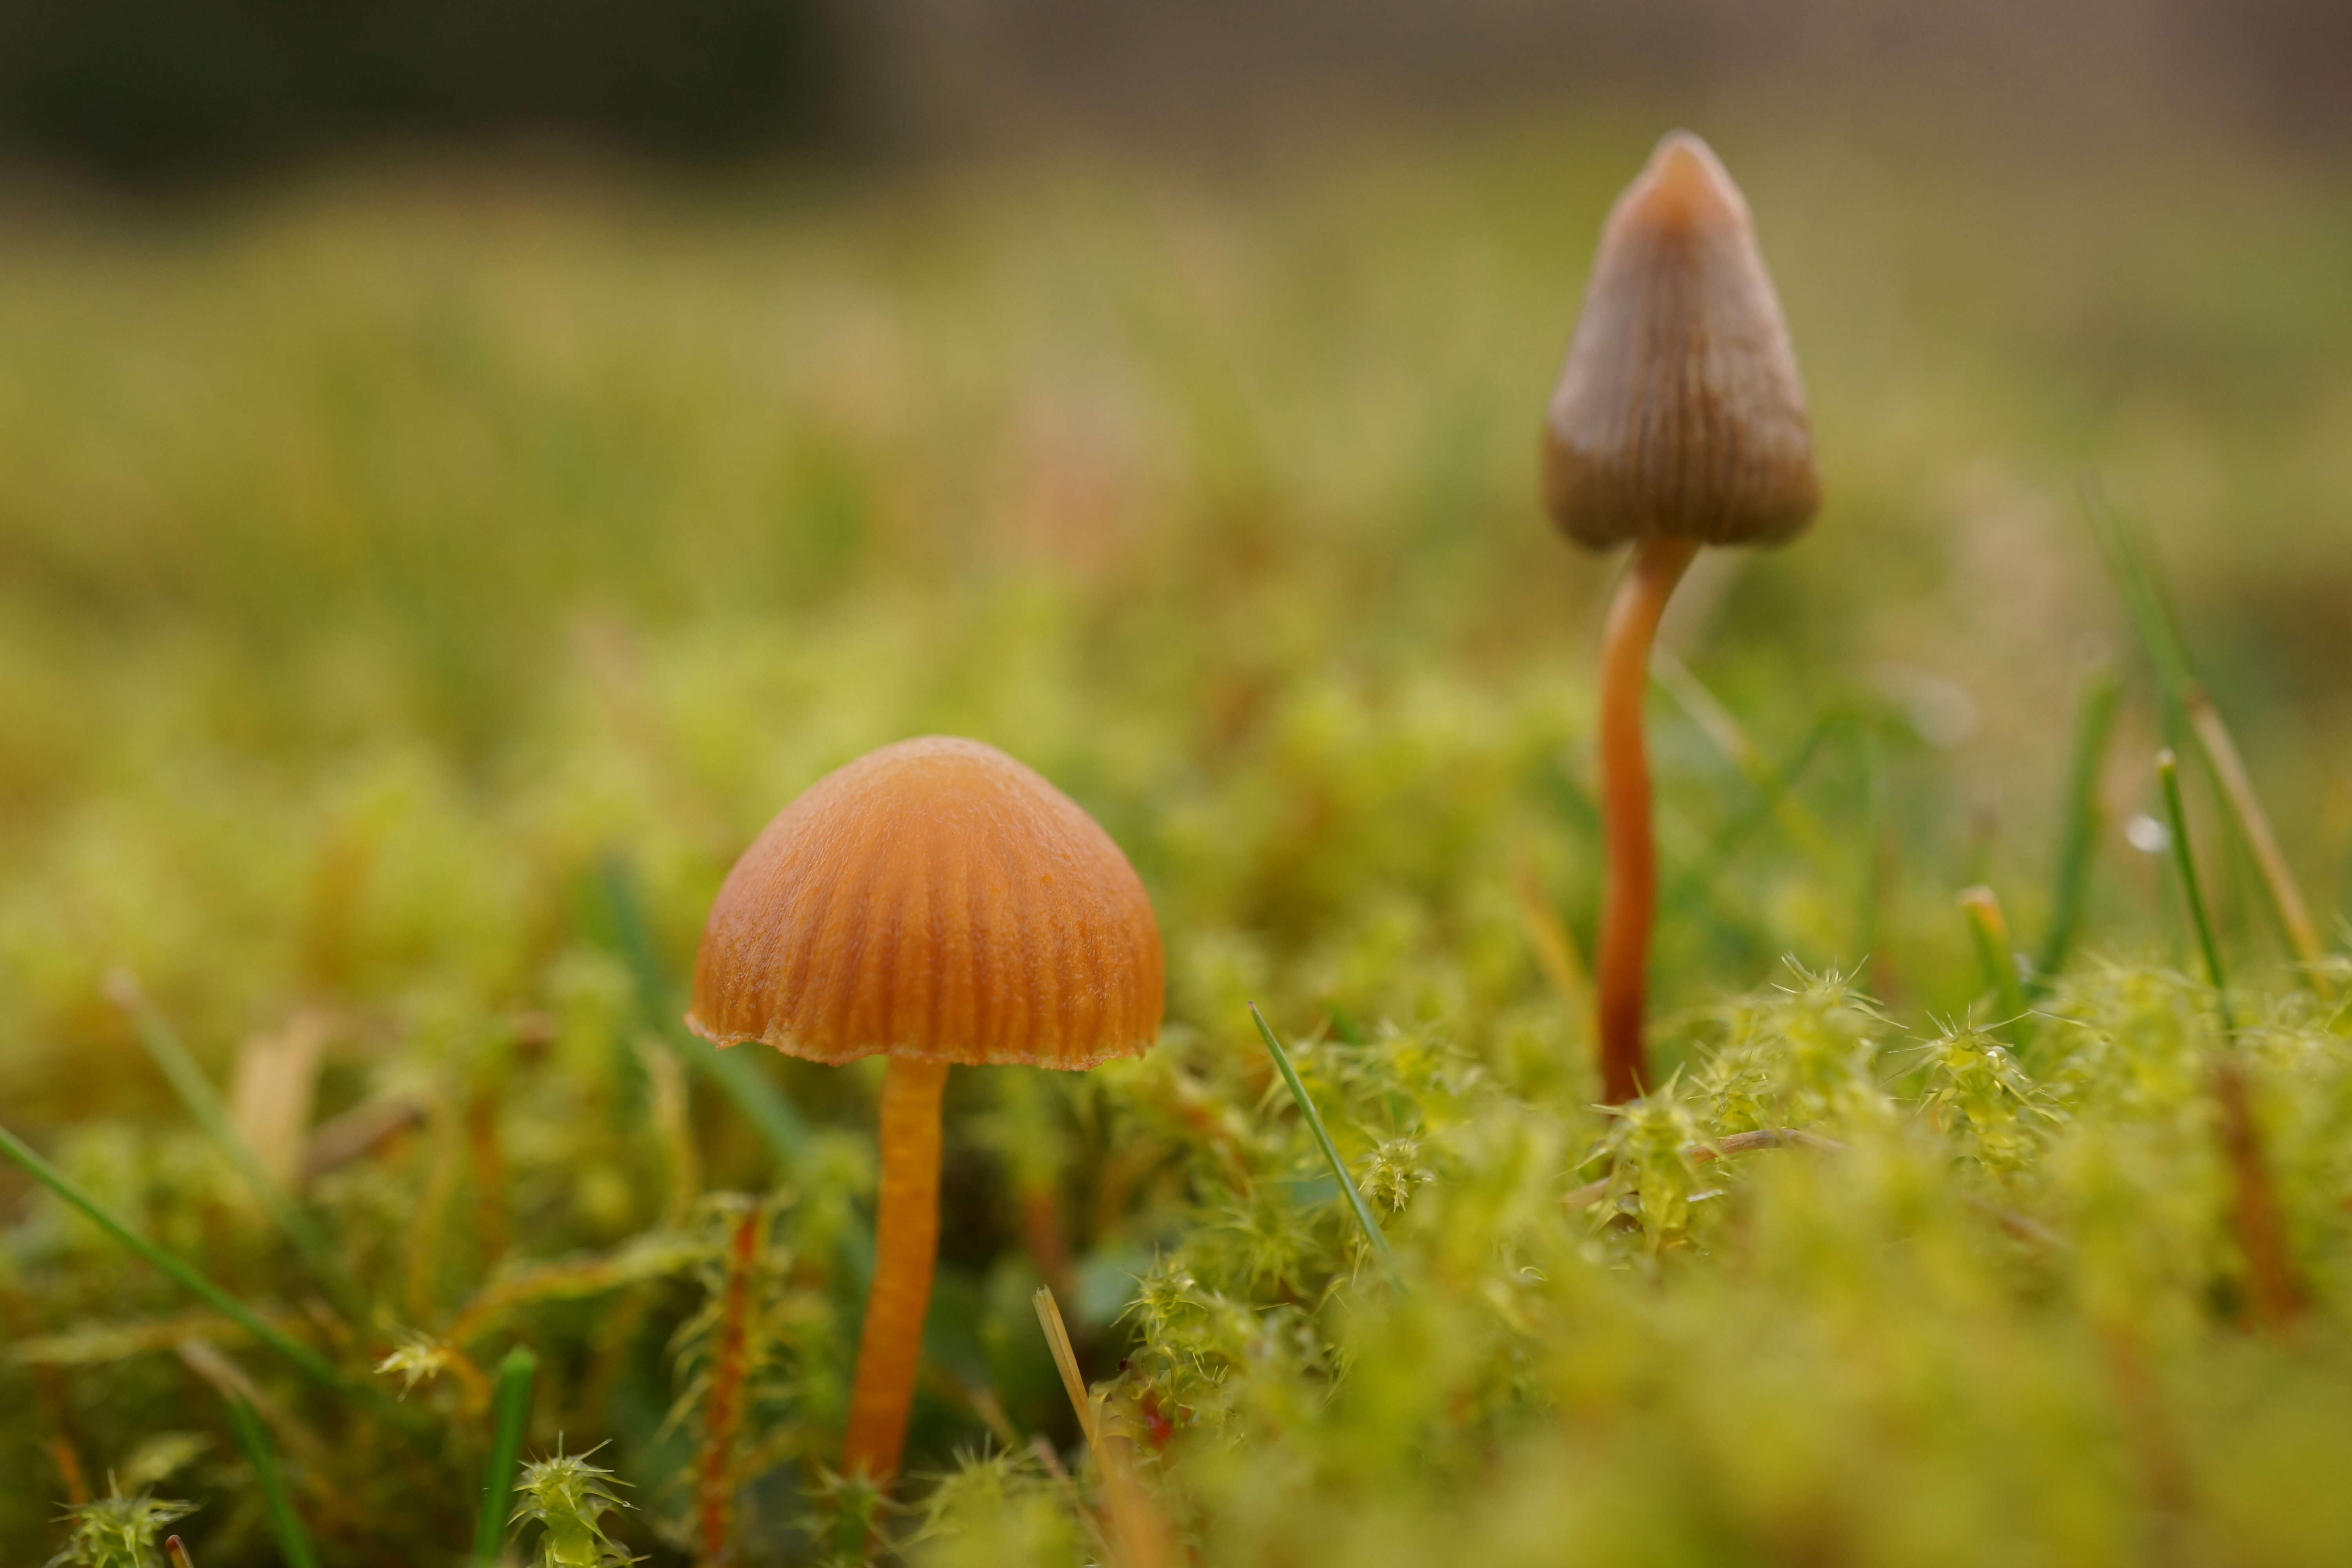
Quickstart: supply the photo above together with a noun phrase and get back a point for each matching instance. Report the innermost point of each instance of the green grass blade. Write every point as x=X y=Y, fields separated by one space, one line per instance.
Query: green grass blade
x=2094 y=724
x=174 y=1060
x=1717 y=723
x=511 y=1413
x=293 y=1540
x=2139 y=578
x=2129 y=563
x=1694 y=884
x=2167 y=774
x=309 y=1361
x=734 y=1075
x=1372 y=1231
x=1986 y=924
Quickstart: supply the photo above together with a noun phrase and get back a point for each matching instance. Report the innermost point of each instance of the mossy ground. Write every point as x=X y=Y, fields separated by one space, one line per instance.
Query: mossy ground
x=407 y=586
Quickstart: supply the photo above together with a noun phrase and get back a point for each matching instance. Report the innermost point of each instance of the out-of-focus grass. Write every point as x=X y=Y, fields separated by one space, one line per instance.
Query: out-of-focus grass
x=376 y=562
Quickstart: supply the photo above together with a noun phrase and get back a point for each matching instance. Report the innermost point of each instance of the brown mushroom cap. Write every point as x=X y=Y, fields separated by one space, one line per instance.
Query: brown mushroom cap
x=1679 y=413
x=933 y=900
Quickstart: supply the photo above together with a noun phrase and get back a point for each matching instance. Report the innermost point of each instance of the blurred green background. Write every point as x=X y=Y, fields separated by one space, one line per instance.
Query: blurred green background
x=377 y=555
x=396 y=530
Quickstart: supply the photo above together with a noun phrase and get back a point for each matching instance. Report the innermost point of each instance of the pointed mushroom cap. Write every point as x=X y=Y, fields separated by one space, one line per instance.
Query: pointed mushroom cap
x=933 y=900
x=1679 y=412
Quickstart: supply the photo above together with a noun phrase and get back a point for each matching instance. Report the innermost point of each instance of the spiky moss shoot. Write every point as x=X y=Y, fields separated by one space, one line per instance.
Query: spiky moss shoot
x=118 y=1531
x=999 y=1508
x=1979 y=1095
x=569 y=1499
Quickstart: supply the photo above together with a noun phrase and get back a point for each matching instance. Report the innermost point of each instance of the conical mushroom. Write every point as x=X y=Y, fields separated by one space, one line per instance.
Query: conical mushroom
x=936 y=902
x=1678 y=421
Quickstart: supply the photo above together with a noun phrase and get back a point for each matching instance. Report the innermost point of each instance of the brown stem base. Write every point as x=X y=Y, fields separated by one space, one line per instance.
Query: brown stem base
x=906 y=1243
x=1622 y=964
x=2275 y=1293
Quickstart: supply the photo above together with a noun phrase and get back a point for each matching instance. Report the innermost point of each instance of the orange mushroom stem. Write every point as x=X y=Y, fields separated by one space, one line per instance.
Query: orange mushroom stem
x=1630 y=902
x=906 y=1243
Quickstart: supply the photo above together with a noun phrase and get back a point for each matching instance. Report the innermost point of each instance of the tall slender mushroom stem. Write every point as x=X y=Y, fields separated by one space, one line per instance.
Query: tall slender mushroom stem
x=1621 y=972
x=905 y=1241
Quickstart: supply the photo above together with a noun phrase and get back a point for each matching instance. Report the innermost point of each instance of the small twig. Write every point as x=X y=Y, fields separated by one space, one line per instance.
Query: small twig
x=339 y=1140
x=177 y=1552
x=2022 y=1227
x=1591 y=1193
x=1066 y=1361
x=1138 y=1533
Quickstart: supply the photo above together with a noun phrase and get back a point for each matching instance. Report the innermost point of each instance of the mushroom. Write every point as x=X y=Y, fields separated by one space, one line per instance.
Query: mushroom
x=1679 y=420
x=936 y=902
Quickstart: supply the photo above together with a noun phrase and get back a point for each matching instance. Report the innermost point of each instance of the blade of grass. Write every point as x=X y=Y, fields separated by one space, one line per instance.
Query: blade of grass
x=1718 y=723
x=173 y=1059
x=293 y=1540
x=2139 y=579
x=1694 y=884
x=732 y=1073
x=309 y=1361
x=509 y=1414
x=1991 y=930
x=2167 y=774
x=1879 y=864
x=2094 y=722
x=1372 y=1231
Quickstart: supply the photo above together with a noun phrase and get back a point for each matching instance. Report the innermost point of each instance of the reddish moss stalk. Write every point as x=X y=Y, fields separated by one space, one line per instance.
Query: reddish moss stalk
x=1622 y=966
x=68 y=1465
x=722 y=1412
x=489 y=1175
x=2277 y=1295
x=1044 y=1235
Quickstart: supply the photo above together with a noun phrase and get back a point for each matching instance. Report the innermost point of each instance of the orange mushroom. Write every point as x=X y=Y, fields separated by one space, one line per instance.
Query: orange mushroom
x=936 y=902
x=1678 y=421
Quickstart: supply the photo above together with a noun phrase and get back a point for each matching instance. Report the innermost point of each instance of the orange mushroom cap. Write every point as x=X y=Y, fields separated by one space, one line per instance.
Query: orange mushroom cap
x=1679 y=413
x=933 y=900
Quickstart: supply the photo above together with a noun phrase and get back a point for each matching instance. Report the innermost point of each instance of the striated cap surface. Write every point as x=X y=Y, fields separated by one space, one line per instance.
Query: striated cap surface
x=1679 y=412
x=934 y=900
